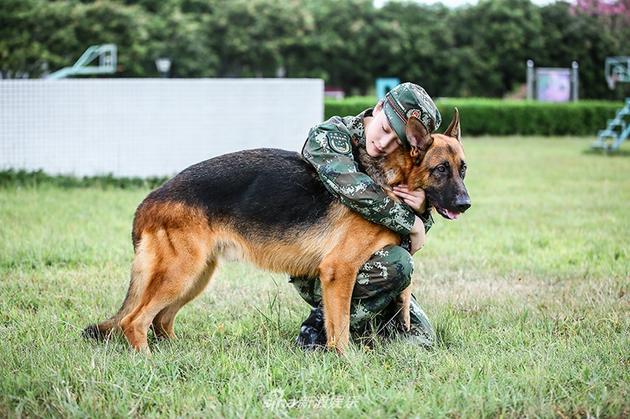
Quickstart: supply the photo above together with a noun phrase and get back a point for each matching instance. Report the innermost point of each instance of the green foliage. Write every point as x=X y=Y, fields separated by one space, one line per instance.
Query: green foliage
x=182 y=38
x=494 y=40
x=528 y=292
x=495 y=117
x=506 y=117
x=472 y=51
x=28 y=30
x=349 y=106
x=417 y=43
x=254 y=38
x=587 y=39
x=27 y=179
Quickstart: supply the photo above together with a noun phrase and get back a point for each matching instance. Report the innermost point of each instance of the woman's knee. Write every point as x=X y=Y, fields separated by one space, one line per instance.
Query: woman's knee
x=400 y=266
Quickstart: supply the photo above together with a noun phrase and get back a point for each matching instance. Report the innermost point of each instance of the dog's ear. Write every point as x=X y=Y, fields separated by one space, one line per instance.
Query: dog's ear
x=418 y=134
x=454 y=130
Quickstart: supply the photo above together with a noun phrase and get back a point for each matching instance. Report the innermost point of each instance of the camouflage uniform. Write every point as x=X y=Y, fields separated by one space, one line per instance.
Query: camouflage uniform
x=329 y=148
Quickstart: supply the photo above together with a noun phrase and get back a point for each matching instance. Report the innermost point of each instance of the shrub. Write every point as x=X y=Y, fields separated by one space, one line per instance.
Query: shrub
x=506 y=117
x=31 y=179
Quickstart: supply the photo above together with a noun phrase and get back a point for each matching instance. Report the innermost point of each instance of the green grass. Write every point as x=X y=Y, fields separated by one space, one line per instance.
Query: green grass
x=529 y=293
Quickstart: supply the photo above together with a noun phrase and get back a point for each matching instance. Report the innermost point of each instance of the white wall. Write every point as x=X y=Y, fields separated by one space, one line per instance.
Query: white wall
x=145 y=127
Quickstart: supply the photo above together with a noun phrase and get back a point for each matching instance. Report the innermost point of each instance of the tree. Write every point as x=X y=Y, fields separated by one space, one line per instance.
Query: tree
x=27 y=30
x=416 y=44
x=479 y=50
x=587 y=32
x=500 y=35
x=179 y=36
x=253 y=36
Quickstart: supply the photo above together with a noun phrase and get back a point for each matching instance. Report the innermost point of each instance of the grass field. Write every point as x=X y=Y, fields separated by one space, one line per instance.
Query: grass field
x=528 y=291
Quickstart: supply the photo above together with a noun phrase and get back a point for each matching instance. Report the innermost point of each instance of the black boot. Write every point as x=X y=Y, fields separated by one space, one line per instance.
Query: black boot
x=312 y=332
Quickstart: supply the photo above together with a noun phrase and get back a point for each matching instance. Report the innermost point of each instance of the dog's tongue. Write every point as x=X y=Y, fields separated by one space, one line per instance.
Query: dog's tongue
x=452 y=214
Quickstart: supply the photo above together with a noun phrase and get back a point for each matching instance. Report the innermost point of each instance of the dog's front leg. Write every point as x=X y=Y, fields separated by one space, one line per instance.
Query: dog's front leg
x=404 y=303
x=337 y=283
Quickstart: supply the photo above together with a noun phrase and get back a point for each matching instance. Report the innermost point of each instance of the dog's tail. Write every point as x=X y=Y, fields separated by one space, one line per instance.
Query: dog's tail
x=104 y=330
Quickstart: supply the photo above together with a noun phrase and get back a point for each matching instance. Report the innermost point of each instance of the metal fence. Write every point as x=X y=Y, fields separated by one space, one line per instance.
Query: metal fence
x=149 y=127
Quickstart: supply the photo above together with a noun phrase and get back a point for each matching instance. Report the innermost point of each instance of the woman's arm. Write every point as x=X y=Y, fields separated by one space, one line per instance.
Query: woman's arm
x=329 y=151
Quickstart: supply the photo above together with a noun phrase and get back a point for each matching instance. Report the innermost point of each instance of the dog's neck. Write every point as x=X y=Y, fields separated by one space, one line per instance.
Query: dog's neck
x=386 y=171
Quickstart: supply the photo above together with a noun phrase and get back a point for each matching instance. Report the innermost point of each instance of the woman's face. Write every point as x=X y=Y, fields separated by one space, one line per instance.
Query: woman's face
x=380 y=138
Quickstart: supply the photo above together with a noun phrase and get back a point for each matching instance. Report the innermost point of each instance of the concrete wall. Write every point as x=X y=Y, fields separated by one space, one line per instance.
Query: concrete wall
x=146 y=127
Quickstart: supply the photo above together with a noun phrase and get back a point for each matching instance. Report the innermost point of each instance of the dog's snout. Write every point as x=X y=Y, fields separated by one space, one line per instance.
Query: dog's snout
x=462 y=203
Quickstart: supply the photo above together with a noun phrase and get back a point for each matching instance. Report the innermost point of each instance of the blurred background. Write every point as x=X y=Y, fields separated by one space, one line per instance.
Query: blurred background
x=187 y=73
x=478 y=49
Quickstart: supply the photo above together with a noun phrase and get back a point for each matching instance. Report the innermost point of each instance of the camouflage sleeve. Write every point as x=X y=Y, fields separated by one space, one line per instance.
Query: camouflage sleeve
x=427 y=220
x=330 y=153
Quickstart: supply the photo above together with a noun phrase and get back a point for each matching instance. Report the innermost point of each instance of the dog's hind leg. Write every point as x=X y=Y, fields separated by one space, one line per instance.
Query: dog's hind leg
x=137 y=284
x=164 y=321
x=175 y=260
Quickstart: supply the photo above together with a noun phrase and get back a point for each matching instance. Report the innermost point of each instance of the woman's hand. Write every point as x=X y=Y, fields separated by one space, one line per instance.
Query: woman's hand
x=415 y=199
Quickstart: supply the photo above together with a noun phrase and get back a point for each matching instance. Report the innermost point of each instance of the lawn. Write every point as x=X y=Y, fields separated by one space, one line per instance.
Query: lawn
x=528 y=291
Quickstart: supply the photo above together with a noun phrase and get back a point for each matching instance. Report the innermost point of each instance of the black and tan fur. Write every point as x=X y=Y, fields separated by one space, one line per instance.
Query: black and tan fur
x=270 y=208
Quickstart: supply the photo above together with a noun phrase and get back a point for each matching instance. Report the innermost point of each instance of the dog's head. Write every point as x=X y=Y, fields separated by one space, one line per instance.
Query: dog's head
x=436 y=165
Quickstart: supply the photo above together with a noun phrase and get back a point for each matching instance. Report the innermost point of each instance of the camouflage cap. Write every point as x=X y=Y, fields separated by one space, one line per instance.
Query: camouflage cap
x=408 y=100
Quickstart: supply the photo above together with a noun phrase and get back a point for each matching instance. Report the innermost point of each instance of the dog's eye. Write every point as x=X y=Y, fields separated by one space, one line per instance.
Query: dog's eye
x=441 y=168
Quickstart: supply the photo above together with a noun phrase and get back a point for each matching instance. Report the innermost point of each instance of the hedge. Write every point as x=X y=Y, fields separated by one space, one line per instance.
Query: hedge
x=506 y=117
x=32 y=179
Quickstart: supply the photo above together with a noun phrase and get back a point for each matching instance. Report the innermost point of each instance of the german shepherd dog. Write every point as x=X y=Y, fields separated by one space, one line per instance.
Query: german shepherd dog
x=269 y=207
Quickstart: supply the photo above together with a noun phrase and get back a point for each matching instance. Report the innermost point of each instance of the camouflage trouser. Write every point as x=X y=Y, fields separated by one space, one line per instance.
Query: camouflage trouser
x=380 y=280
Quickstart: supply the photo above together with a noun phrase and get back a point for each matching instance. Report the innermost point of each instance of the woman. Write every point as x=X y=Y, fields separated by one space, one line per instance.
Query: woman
x=329 y=149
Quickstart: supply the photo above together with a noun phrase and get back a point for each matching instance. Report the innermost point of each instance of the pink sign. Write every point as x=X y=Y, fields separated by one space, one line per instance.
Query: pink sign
x=553 y=84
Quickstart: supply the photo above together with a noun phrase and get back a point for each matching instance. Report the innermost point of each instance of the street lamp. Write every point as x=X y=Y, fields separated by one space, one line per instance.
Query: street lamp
x=163 y=66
